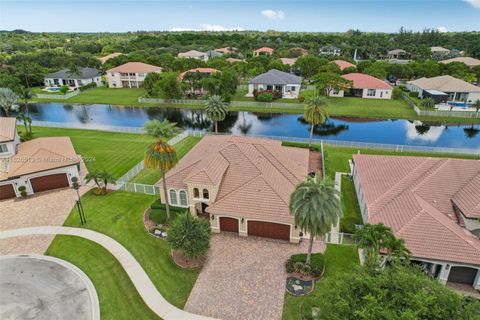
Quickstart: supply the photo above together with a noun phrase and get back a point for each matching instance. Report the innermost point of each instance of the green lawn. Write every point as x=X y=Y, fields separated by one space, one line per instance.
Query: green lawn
x=123 y=96
x=351 y=210
x=338 y=259
x=115 y=152
x=119 y=215
x=150 y=176
x=117 y=296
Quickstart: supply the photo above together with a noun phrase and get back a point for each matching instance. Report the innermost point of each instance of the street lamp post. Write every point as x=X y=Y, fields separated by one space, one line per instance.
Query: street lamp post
x=81 y=213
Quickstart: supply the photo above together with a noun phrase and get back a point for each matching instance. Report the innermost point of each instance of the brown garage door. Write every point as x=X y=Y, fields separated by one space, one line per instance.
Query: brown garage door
x=462 y=275
x=53 y=181
x=228 y=224
x=269 y=230
x=7 y=192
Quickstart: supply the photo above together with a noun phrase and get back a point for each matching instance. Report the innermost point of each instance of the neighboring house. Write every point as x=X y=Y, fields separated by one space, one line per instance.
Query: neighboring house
x=288 y=61
x=108 y=57
x=342 y=64
x=130 y=74
x=204 y=71
x=233 y=60
x=433 y=204
x=440 y=50
x=396 y=54
x=214 y=54
x=240 y=184
x=73 y=80
x=459 y=92
x=194 y=54
x=274 y=80
x=263 y=51
x=365 y=86
x=40 y=164
x=329 y=50
x=470 y=62
x=226 y=50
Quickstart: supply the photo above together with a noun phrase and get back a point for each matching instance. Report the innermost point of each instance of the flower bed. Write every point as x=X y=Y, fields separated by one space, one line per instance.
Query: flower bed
x=299 y=287
x=297 y=267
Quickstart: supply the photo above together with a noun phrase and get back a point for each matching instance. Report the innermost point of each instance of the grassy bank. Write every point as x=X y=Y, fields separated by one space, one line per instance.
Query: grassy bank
x=120 y=215
x=112 y=151
x=338 y=107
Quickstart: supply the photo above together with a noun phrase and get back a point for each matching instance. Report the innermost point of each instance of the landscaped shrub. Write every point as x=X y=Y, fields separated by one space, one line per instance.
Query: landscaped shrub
x=23 y=191
x=397 y=93
x=296 y=263
x=64 y=89
x=428 y=103
x=90 y=85
x=265 y=97
x=159 y=215
x=413 y=94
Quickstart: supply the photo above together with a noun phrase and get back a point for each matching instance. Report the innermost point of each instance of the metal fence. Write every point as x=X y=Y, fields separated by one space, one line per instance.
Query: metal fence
x=58 y=96
x=196 y=102
x=340 y=238
x=141 y=188
x=437 y=113
x=63 y=125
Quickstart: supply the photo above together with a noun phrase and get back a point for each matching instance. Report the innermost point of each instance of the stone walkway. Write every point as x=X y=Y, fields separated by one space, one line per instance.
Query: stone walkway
x=244 y=278
x=153 y=299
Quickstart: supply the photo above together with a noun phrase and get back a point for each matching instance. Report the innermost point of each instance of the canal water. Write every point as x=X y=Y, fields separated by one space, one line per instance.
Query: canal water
x=292 y=125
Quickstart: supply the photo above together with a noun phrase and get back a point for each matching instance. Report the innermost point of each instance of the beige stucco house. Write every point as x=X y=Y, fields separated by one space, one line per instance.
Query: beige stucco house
x=364 y=86
x=194 y=54
x=240 y=185
x=433 y=204
x=38 y=165
x=130 y=74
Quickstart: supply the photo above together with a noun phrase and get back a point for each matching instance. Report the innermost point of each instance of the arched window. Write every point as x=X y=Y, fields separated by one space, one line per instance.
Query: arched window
x=183 y=198
x=196 y=193
x=173 y=197
x=205 y=194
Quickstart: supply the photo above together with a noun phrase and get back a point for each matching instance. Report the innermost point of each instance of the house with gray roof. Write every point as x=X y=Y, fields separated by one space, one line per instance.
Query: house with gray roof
x=274 y=80
x=73 y=79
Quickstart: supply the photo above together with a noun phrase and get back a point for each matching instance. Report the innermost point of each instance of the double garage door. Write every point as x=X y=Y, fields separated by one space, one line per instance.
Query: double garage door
x=257 y=228
x=50 y=182
x=462 y=275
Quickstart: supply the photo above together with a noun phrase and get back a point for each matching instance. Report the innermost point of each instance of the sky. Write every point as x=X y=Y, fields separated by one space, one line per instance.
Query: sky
x=290 y=15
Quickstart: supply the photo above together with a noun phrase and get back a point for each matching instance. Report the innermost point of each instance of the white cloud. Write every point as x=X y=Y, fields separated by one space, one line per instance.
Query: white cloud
x=442 y=29
x=274 y=15
x=208 y=27
x=475 y=3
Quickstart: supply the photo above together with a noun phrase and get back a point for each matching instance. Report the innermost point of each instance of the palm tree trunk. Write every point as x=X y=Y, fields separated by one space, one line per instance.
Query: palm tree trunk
x=26 y=107
x=165 y=195
x=311 y=136
x=216 y=127
x=6 y=112
x=310 y=246
x=26 y=126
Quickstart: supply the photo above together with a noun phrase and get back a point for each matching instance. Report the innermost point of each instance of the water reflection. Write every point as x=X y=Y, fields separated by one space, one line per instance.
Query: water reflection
x=293 y=125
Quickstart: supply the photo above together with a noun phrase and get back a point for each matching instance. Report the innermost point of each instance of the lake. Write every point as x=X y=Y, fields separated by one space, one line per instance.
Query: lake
x=349 y=129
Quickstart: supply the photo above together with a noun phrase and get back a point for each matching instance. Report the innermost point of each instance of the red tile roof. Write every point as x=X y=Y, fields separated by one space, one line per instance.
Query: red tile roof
x=264 y=49
x=365 y=81
x=413 y=196
x=254 y=176
x=137 y=67
x=342 y=64
x=200 y=70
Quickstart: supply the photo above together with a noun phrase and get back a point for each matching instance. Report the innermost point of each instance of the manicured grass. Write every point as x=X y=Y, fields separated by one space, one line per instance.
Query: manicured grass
x=338 y=259
x=120 y=215
x=150 y=176
x=115 y=152
x=123 y=96
x=351 y=210
x=117 y=296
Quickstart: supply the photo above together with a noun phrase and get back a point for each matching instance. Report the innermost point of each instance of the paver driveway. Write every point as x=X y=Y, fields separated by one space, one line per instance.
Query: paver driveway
x=44 y=209
x=244 y=278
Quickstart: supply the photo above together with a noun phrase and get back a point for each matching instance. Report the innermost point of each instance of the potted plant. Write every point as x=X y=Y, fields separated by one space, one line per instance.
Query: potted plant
x=23 y=191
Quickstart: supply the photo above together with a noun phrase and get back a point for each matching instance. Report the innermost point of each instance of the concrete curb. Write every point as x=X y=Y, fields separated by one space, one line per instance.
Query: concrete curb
x=150 y=295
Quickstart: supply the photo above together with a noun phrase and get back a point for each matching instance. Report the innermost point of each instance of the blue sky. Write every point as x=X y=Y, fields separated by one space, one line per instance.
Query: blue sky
x=320 y=15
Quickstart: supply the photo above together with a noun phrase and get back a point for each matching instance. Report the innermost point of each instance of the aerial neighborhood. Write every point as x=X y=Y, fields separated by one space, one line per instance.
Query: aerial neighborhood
x=217 y=174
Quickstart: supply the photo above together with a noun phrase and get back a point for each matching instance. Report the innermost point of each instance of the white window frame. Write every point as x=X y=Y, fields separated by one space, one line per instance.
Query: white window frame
x=170 y=197
x=371 y=92
x=3 y=148
x=180 y=198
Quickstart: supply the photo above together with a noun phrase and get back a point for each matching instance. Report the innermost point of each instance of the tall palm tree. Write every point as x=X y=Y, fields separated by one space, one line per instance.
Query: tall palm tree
x=26 y=94
x=216 y=109
x=315 y=113
x=27 y=121
x=315 y=203
x=161 y=156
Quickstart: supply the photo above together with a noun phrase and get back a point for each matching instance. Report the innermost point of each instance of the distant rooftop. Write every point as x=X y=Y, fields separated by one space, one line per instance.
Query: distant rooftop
x=274 y=77
x=135 y=67
x=83 y=73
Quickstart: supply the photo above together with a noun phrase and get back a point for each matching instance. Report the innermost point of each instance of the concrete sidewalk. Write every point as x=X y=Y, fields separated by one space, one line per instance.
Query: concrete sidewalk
x=150 y=295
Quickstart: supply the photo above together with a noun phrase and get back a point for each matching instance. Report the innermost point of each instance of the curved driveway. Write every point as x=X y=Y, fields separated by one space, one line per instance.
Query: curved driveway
x=153 y=299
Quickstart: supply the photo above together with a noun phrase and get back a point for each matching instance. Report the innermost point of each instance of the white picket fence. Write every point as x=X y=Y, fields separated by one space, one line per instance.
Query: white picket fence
x=58 y=96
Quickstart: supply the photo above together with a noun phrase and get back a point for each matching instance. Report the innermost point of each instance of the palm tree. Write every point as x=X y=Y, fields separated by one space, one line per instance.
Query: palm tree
x=26 y=94
x=315 y=113
x=216 y=109
x=27 y=121
x=315 y=203
x=476 y=105
x=101 y=180
x=161 y=156
x=158 y=129
x=8 y=100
